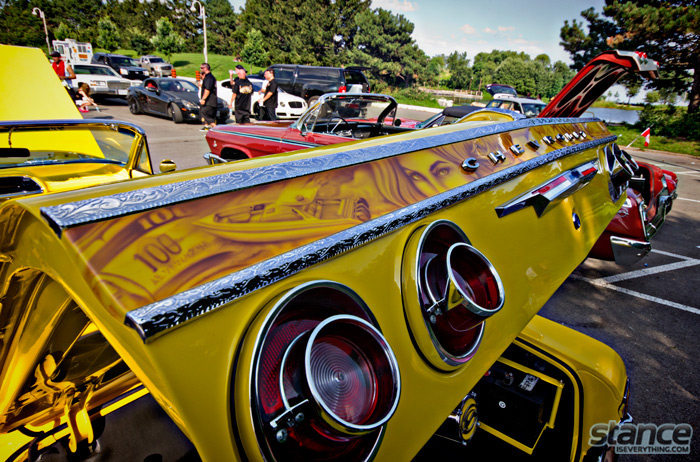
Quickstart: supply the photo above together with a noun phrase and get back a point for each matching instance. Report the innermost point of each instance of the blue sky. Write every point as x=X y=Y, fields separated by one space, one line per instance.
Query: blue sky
x=444 y=26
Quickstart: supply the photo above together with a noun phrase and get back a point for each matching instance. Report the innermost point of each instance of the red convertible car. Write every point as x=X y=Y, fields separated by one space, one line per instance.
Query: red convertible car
x=343 y=117
x=335 y=118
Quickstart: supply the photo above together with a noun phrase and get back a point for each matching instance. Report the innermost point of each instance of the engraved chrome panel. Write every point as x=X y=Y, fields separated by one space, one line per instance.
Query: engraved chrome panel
x=159 y=317
x=100 y=208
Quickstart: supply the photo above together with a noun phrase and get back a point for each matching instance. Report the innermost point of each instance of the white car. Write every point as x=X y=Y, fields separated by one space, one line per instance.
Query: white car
x=288 y=106
x=103 y=80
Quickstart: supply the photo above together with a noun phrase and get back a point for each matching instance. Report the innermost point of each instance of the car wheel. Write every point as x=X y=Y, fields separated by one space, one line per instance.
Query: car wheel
x=312 y=100
x=134 y=106
x=175 y=113
x=256 y=112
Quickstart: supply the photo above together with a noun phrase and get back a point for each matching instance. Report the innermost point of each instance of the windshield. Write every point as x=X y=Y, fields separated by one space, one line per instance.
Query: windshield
x=350 y=108
x=50 y=144
x=532 y=110
x=123 y=61
x=156 y=60
x=81 y=69
x=180 y=86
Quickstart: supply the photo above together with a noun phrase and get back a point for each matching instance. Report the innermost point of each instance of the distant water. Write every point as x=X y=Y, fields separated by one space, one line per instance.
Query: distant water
x=614 y=115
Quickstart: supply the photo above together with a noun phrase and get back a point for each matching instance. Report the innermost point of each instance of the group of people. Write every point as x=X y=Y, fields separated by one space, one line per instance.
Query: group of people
x=66 y=74
x=240 y=100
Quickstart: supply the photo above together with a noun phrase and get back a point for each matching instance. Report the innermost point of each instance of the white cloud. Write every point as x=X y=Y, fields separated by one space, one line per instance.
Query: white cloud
x=395 y=5
x=505 y=28
x=467 y=29
x=488 y=30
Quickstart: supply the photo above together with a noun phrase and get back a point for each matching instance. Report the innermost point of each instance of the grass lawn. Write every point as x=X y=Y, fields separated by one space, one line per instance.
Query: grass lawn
x=660 y=143
x=186 y=64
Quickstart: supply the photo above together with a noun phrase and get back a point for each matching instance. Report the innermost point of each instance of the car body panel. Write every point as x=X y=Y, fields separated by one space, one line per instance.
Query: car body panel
x=177 y=361
x=20 y=105
x=168 y=282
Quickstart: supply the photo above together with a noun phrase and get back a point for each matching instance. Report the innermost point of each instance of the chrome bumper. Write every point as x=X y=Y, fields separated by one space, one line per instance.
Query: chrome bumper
x=628 y=251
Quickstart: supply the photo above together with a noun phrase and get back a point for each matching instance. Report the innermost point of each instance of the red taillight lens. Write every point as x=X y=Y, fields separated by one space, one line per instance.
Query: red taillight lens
x=342 y=89
x=457 y=289
x=326 y=380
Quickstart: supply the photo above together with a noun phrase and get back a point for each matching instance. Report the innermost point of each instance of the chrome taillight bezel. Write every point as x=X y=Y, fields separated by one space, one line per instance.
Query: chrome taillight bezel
x=421 y=305
x=312 y=307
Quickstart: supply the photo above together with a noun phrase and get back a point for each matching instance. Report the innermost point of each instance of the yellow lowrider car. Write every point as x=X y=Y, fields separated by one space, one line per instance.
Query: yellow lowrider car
x=355 y=302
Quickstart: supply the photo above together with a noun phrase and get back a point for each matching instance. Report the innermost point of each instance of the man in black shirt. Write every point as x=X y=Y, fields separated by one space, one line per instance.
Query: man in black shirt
x=242 y=90
x=270 y=98
x=207 y=102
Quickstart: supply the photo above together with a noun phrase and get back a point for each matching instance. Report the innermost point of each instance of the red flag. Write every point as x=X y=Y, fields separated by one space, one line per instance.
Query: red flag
x=646 y=134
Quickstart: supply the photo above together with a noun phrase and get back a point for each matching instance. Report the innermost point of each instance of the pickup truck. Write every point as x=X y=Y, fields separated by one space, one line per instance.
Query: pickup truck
x=156 y=66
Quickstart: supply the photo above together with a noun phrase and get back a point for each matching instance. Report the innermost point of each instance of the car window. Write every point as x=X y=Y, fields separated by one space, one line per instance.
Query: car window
x=284 y=74
x=318 y=73
x=157 y=60
x=122 y=61
x=94 y=70
x=354 y=77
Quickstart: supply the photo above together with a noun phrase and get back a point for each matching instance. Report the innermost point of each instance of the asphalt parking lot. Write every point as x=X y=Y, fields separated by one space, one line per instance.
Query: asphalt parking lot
x=649 y=313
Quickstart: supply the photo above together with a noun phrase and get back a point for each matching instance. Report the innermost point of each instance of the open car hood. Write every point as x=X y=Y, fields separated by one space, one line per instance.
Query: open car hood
x=595 y=79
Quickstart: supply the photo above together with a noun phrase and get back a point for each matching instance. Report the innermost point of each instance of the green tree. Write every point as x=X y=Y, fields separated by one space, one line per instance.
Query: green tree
x=384 y=44
x=221 y=27
x=138 y=41
x=254 y=51
x=166 y=41
x=295 y=31
x=668 y=31
x=108 y=37
x=632 y=89
x=652 y=97
x=63 y=32
x=460 y=72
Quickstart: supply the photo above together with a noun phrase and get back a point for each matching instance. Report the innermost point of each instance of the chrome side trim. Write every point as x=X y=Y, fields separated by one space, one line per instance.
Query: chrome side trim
x=125 y=203
x=543 y=197
x=159 y=317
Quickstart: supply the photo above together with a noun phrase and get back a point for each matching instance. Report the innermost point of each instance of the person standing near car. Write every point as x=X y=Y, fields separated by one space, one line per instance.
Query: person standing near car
x=64 y=72
x=207 y=102
x=240 y=99
x=270 y=99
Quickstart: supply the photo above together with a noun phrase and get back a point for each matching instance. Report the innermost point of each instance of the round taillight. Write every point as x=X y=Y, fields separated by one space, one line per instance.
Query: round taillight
x=324 y=379
x=346 y=369
x=456 y=289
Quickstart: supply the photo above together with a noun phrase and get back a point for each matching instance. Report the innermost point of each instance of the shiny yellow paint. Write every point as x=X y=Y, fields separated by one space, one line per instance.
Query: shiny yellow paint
x=600 y=369
x=193 y=370
x=30 y=88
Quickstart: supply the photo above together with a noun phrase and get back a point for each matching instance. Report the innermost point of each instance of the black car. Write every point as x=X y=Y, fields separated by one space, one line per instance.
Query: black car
x=174 y=98
x=310 y=82
x=125 y=66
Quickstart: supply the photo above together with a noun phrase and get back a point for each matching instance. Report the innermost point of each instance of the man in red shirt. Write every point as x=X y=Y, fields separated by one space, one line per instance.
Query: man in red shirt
x=64 y=72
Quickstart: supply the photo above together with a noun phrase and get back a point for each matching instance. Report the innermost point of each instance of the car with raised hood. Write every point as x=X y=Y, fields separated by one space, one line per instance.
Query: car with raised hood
x=308 y=306
x=177 y=99
x=103 y=80
x=41 y=156
x=334 y=118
